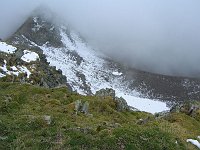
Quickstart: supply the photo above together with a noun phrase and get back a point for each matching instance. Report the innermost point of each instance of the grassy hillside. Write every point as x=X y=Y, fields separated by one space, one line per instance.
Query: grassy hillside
x=32 y=117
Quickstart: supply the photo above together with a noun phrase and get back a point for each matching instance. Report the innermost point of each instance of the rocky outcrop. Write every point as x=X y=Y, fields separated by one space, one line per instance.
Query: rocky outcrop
x=106 y=93
x=121 y=104
x=190 y=109
x=41 y=73
x=38 y=31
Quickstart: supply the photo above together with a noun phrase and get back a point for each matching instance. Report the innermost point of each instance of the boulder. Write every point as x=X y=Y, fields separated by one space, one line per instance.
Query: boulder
x=47 y=119
x=121 y=104
x=105 y=93
x=85 y=108
x=78 y=105
x=81 y=107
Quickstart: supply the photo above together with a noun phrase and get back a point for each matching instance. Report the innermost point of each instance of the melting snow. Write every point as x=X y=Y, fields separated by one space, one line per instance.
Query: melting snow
x=29 y=56
x=14 y=71
x=194 y=142
x=7 y=48
x=24 y=70
x=2 y=75
x=14 y=68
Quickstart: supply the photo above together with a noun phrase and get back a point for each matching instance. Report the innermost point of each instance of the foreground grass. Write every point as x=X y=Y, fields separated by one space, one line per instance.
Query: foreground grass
x=23 y=126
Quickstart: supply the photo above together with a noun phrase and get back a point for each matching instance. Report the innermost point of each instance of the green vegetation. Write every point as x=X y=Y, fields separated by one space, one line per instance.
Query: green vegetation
x=32 y=117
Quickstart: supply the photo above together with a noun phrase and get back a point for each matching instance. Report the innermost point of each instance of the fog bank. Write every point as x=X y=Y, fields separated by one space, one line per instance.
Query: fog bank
x=158 y=35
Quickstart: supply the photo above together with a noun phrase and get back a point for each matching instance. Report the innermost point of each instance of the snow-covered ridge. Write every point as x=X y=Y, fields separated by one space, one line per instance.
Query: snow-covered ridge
x=7 y=48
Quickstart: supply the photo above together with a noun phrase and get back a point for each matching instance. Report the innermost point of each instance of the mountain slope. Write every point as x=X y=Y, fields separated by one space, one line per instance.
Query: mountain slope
x=88 y=71
x=33 y=117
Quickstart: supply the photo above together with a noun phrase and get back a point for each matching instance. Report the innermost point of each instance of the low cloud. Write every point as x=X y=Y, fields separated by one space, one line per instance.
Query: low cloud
x=158 y=36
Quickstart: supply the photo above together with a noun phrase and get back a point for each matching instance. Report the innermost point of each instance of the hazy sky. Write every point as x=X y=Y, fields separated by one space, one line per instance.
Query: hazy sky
x=158 y=35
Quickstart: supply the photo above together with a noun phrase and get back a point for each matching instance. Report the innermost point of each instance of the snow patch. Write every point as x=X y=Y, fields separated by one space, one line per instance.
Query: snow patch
x=14 y=68
x=7 y=48
x=23 y=69
x=144 y=104
x=116 y=73
x=2 y=75
x=194 y=142
x=29 y=56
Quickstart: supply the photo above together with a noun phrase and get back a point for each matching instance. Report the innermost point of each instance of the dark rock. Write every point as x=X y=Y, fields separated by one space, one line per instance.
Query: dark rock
x=75 y=57
x=84 y=85
x=19 y=54
x=39 y=31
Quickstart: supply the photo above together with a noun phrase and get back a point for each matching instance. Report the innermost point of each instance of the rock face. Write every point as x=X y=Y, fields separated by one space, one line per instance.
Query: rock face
x=40 y=31
x=121 y=104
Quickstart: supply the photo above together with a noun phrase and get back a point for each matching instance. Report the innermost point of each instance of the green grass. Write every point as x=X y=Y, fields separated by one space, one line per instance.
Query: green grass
x=22 y=123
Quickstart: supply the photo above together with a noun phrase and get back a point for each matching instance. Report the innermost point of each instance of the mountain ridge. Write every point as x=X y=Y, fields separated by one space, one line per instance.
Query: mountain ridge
x=88 y=70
